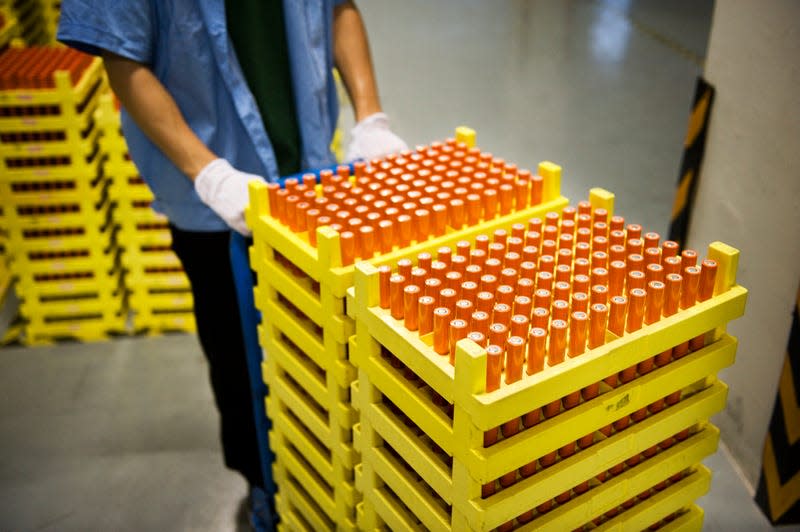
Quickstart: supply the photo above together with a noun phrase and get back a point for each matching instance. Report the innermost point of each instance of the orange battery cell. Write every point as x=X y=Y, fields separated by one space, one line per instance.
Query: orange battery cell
x=616 y=315
x=347 y=245
x=580 y=302
x=474 y=207
x=565 y=241
x=669 y=249
x=366 y=242
x=424 y=261
x=561 y=290
x=464 y=309
x=459 y=264
x=564 y=257
x=599 y=276
x=636 y=279
x=598 y=319
x=386 y=235
x=500 y=236
x=438 y=270
x=689 y=257
x=599 y=259
x=447 y=299
x=441 y=330
x=477 y=337
x=537 y=338
x=672 y=265
x=600 y=230
x=469 y=291
x=651 y=240
x=558 y=342
x=458 y=331
x=560 y=309
x=548 y=248
x=545 y=277
x=708 y=276
x=477 y=257
x=405 y=230
x=552 y=219
x=567 y=227
x=540 y=318
x=485 y=301
x=536 y=189
x=690 y=285
x=513 y=256
x=652 y=255
x=525 y=284
x=672 y=294
x=530 y=254
x=635 y=246
x=501 y=313
x=515 y=357
x=578 y=324
x=404 y=267
x=482 y=242
x=397 y=284
x=600 y=243
x=599 y=294
x=527 y=270
x=439 y=219
x=411 y=294
x=535 y=225
x=581 y=266
x=519 y=325
x=542 y=298
x=479 y=322
x=518 y=231
x=432 y=288
x=616 y=237
x=508 y=276
x=654 y=272
x=384 y=273
x=520 y=194
x=505 y=294
x=600 y=215
x=494 y=366
x=617 y=252
x=418 y=277
x=489 y=283
x=463 y=247
x=636 y=306
x=498 y=333
x=490 y=201
x=496 y=250
x=633 y=231
x=583 y=235
x=506 y=196
x=453 y=280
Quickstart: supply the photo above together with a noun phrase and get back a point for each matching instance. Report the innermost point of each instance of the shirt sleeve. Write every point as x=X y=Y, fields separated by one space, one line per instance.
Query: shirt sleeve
x=127 y=29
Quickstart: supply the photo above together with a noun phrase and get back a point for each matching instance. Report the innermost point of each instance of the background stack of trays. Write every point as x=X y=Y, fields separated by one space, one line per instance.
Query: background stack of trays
x=55 y=196
x=51 y=12
x=305 y=332
x=424 y=462
x=9 y=29
x=31 y=20
x=160 y=297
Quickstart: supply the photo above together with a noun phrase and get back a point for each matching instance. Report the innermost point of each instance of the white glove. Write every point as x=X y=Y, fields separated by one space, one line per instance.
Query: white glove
x=372 y=138
x=224 y=188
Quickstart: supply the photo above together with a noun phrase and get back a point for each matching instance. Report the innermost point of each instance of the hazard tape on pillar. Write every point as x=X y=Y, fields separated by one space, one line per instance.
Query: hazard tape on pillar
x=778 y=492
x=694 y=148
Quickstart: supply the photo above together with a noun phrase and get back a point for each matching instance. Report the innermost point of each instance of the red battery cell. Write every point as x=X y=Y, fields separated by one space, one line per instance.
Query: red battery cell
x=432 y=288
x=600 y=215
x=584 y=222
x=458 y=331
x=691 y=280
x=616 y=223
x=636 y=279
x=464 y=309
x=485 y=301
x=384 y=273
x=565 y=242
x=397 y=284
x=441 y=330
x=689 y=257
x=498 y=332
x=578 y=325
x=519 y=325
x=479 y=322
x=505 y=294
x=518 y=230
x=411 y=294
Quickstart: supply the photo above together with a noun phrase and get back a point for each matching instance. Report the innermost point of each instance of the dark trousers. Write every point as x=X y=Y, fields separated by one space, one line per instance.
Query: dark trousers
x=206 y=260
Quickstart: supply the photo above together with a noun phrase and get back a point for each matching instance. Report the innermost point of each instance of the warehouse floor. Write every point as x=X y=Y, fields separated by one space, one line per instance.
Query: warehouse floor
x=122 y=435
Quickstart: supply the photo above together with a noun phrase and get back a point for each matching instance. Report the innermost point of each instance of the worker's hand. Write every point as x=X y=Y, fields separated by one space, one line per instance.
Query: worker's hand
x=372 y=138
x=224 y=189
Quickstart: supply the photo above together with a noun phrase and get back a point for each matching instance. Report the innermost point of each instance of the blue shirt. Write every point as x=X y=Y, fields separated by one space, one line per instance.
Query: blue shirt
x=186 y=45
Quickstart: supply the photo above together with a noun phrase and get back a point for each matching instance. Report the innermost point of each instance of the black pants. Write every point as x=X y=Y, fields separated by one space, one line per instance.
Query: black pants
x=206 y=259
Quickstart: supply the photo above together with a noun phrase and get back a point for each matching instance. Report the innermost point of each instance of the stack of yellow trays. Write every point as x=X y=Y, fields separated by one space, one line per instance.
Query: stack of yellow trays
x=31 y=21
x=51 y=12
x=57 y=209
x=610 y=437
x=301 y=291
x=160 y=297
x=8 y=27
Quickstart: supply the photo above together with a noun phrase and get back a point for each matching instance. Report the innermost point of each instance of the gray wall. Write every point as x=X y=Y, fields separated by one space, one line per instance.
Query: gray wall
x=749 y=197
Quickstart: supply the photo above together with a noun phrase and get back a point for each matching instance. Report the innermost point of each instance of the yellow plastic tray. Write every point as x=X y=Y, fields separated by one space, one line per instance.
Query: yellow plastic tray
x=71 y=189
x=146 y=319
x=88 y=211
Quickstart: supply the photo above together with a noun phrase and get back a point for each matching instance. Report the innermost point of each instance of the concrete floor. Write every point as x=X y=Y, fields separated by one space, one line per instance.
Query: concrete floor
x=123 y=435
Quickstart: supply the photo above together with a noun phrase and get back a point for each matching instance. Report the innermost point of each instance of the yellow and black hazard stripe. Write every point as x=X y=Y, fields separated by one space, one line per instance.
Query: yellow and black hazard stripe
x=694 y=148
x=779 y=487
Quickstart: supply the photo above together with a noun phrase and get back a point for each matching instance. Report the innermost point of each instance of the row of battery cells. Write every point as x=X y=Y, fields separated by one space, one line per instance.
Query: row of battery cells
x=33 y=68
x=375 y=213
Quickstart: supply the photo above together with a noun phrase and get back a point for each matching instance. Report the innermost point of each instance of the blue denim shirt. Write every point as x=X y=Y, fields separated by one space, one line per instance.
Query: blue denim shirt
x=186 y=45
